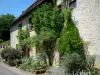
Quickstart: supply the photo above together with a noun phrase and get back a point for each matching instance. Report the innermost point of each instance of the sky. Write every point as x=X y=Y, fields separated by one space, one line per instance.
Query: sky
x=14 y=7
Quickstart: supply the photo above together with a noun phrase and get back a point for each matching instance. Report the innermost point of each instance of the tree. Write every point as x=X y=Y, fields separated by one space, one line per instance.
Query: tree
x=71 y=45
x=5 y=22
x=70 y=40
x=48 y=22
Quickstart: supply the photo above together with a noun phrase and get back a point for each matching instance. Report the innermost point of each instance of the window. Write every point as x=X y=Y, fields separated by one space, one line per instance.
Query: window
x=30 y=26
x=20 y=25
x=72 y=3
x=59 y=7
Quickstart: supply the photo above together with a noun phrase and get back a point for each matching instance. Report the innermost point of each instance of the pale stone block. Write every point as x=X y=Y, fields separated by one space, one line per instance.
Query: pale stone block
x=59 y=2
x=33 y=52
x=56 y=59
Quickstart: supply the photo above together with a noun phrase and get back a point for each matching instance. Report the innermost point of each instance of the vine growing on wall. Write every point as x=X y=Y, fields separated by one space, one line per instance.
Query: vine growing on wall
x=48 y=23
x=23 y=36
x=70 y=40
x=71 y=45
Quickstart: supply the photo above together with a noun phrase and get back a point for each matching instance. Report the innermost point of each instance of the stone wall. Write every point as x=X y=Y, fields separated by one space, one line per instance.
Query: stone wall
x=87 y=16
x=14 y=31
x=13 y=36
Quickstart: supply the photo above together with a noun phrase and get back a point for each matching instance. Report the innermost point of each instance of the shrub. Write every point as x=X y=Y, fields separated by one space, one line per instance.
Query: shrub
x=71 y=45
x=11 y=56
x=31 y=64
x=70 y=41
x=73 y=63
x=59 y=70
x=48 y=21
x=90 y=62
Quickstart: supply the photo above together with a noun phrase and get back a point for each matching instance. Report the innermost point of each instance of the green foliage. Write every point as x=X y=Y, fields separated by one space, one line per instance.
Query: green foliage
x=48 y=18
x=1 y=40
x=11 y=56
x=90 y=62
x=23 y=35
x=5 y=22
x=70 y=41
x=24 y=40
x=73 y=63
x=5 y=43
x=71 y=45
x=41 y=16
x=48 y=22
x=31 y=64
x=15 y=62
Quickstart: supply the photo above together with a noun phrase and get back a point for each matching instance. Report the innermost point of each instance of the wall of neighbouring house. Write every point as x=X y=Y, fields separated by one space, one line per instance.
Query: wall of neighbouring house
x=87 y=16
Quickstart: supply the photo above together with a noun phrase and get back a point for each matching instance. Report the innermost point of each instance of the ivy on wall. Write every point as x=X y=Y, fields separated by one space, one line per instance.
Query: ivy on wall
x=48 y=22
x=70 y=40
x=23 y=37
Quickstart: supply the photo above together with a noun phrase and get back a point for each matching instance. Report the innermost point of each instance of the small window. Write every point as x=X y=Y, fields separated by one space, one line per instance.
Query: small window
x=3 y=46
x=30 y=27
x=60 y=7
x=0 y=46
x=30 y=20
x=20 y=26
x=72 y=3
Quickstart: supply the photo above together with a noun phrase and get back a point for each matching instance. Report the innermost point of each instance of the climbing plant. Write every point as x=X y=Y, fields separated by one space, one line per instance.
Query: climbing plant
x=70 y=40
x=71 y=45
x=48 y=22
x=23 y=36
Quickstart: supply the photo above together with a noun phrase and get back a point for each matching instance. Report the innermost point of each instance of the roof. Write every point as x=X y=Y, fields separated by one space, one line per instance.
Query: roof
x=27 y=11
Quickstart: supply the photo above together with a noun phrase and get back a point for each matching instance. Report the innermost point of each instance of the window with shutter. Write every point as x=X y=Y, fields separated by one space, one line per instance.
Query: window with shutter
x=30 y=27
x=20 y=25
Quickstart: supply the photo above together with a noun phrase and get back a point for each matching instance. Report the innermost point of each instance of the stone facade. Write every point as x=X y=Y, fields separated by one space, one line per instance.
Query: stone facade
x=13 y=36
x=14 y=33
x=87 y=16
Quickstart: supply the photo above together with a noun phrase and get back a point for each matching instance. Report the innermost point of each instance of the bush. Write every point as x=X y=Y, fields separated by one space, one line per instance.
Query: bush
x=74 y=63
x=31 y=64
x=11 y=56
x=70 y=41
x=61 y=71
x=90 y=62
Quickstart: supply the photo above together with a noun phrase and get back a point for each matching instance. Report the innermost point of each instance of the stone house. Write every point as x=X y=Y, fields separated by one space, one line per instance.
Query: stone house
x=25 y=19
x=85 y=13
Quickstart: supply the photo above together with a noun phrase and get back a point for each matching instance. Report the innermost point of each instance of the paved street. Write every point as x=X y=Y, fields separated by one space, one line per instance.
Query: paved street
x=6 y=70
